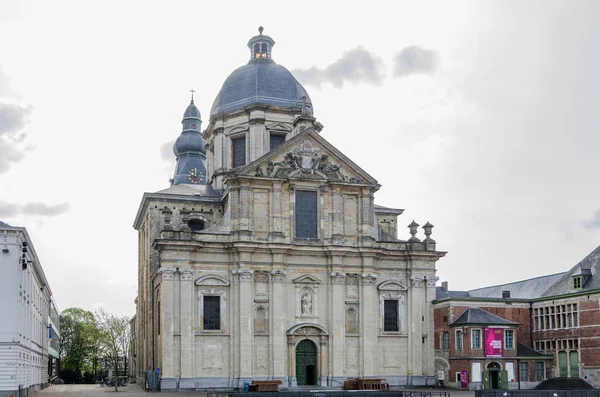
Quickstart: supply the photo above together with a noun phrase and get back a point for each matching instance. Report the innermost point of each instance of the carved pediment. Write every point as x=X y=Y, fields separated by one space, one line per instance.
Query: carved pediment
x=391 y=285
x=307 y=279
x=279 y=127
x=308 y=156
x=306 y=329
x=211 y=279
x=236 y=130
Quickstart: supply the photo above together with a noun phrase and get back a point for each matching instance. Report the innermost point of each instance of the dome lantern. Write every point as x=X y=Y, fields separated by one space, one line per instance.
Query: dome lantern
x=260 y=45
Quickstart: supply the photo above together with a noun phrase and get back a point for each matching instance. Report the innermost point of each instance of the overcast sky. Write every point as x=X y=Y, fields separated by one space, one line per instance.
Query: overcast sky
x=480 y=117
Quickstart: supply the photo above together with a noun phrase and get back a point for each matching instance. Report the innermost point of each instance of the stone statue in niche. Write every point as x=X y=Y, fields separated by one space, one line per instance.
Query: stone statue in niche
x=306 y=304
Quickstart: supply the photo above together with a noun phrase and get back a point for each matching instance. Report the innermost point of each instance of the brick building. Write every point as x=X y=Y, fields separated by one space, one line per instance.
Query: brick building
x=555 y=323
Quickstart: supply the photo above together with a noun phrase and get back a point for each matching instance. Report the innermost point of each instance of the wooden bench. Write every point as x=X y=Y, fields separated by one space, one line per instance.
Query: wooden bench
x=372 y=384
x=265 y=385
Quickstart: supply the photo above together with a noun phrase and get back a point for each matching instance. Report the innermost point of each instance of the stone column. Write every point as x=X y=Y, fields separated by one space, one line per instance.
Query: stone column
x=338 y=326
x=368 y=324
x=337 y=217
x=323 y=367
x=246 y=329
x=416 y=327
x=292 y=382
x=187 y=329
x=257 y=135
x=277 y=315
x=276 y=224
x=166 y=328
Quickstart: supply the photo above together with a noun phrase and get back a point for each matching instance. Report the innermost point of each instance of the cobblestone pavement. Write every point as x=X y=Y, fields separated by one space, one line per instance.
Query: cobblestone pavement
x=131 y=390
x=134 y=390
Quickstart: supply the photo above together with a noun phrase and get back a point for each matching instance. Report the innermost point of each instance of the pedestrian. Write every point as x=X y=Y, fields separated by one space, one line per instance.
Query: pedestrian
x=101 y=381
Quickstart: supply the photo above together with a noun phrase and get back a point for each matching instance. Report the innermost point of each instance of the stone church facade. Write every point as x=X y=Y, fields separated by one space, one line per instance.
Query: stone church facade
x=267 y=257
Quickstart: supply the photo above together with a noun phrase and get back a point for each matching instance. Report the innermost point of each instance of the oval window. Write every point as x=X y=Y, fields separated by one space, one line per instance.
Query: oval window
x=196 y=224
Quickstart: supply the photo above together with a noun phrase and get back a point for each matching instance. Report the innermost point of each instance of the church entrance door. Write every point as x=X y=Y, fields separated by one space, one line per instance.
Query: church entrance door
x=306 y=363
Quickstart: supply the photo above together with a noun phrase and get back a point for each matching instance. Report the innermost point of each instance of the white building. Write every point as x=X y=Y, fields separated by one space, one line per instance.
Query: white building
x=25 y=306
x=267 y=257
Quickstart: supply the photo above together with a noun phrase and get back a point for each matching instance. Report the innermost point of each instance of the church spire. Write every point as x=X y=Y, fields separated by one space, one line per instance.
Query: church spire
x=190 y=149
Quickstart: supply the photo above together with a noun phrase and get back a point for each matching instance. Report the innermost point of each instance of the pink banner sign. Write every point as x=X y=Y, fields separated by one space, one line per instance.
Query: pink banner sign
x=464 y=381
x=494 y=342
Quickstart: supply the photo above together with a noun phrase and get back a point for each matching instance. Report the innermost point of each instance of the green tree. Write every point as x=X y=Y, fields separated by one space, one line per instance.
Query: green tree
x=78 y=344
x=114 y=341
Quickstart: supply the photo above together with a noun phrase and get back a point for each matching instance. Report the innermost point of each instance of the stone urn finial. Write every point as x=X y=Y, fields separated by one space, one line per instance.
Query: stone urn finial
x=427 y=227
x=413 y=231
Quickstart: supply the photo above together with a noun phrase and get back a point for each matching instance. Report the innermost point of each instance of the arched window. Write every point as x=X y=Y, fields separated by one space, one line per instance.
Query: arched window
x=256 y=50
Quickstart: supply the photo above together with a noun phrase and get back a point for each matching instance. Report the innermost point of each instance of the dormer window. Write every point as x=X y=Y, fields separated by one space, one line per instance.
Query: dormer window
x=577 y=282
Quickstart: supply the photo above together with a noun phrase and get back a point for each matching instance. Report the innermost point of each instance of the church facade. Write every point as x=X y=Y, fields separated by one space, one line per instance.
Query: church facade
x=267 y=257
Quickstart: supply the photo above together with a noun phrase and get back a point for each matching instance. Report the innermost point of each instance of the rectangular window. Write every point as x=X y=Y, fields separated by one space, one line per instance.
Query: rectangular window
x=509 y=342
x=445 y=340
x=390 y=316
x=523 y=372
x=306 y=214
x=540 y=371
x=476 y=339
x=459 y=339
x=239 y=151
x=577 y=282
x=276 y=140
x=212 y=312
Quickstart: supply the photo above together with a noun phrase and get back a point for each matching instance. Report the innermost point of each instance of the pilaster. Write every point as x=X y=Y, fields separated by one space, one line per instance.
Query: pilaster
x=166 y=326
x=368 y=324
x=338 y=328
x=187 y=329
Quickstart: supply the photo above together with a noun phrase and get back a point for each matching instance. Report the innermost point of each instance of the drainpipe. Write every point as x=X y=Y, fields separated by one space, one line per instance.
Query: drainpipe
x=519 y=372
x=152 y=326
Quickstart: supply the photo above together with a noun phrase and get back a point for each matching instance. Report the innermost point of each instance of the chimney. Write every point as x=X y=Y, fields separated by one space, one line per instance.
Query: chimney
x=445 y=286
x=505 y=294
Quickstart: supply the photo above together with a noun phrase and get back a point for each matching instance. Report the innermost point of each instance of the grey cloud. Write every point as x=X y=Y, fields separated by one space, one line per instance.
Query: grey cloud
x=416 y=60
x=41 y=209
x=166 y=151
x=44 y=209
x=11 y=153
x=594 y=222
x=354 y=66
x=8 y=209
x=13 y=118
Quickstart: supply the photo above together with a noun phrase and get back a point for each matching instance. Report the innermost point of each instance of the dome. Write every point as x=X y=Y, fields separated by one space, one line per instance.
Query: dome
x=189 y=141
x=191 y=112
x=261 y=81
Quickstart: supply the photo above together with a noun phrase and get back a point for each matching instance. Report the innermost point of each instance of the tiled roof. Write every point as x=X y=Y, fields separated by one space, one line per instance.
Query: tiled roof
x=526 y=351
x=2 y=224
x=475 y=315
x=565 y=284
x=525 y=289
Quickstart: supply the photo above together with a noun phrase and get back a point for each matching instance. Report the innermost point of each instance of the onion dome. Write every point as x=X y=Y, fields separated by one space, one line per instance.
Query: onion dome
x=190 y=149
x=261 y=81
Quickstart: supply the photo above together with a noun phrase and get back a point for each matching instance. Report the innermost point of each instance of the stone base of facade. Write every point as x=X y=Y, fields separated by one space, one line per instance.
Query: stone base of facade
x=334 y=382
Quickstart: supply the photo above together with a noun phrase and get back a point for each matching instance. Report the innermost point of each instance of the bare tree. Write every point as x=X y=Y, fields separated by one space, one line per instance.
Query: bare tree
x=114 y=340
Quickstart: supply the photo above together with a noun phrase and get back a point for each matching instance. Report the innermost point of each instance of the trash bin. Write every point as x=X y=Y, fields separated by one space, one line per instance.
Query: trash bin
x=246 y=387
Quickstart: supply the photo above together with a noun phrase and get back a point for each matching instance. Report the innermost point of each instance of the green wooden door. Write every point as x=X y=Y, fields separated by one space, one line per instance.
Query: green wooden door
x=504 y=380
x=574 y=364
x=563 y=369
x=486 y=380
x=306 y=363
